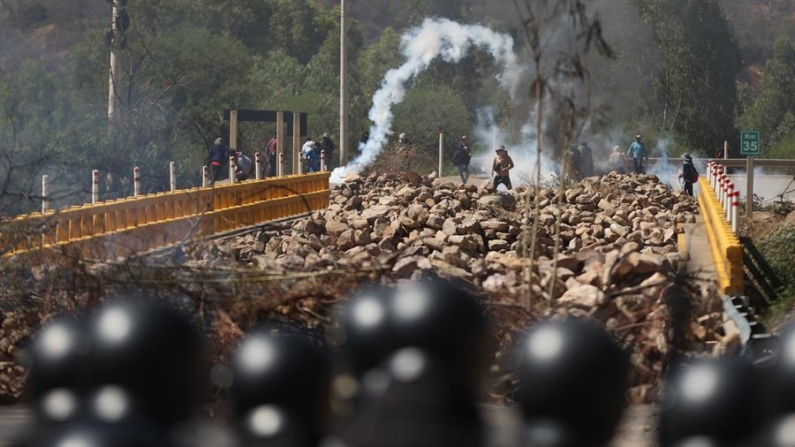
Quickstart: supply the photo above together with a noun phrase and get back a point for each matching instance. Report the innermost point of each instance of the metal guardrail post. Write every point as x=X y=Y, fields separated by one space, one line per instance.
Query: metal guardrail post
x=257 y=165
x=205 y=176
x=136 y=181
x=323 y=160
x=281 y=164
x=94 y=186
x=45 y=193
x=232 y=169
x=735 y=220
x=172 y=174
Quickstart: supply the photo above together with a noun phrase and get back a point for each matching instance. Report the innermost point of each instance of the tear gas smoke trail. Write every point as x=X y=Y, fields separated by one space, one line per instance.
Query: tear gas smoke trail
x=422 y=45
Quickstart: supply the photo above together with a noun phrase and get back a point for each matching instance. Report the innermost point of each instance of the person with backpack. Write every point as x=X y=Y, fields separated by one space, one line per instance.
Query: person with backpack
x=689 y=174
x=461 y=158
x=216 y=158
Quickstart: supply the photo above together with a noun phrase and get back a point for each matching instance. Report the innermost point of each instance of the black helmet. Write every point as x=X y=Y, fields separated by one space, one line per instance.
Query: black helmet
x=153 y=351
x=573 y=374
x=699 y=398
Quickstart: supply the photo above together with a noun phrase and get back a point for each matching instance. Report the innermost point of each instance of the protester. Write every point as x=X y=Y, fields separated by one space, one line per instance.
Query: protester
x=243 y=166
x=689 y=174
x=216 y=158
x=270 y=149
x=311 y=155
x=575 y=162
x=616 y=160
x=501 y=168
x=461 y=158
x=638 y=153
x=327 y=144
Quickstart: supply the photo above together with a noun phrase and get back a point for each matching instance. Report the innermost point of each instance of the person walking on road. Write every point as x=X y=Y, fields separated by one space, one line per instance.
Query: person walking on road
x=638 y=153
x=689 y=174
x=501 y=168
x=216 y=158
x=270 y=149
x=461 y=158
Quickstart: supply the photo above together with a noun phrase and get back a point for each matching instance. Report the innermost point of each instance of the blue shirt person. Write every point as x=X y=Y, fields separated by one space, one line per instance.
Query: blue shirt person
x=637 y=151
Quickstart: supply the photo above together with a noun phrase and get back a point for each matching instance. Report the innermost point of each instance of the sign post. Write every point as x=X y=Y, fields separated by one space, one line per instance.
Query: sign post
x=750 y=143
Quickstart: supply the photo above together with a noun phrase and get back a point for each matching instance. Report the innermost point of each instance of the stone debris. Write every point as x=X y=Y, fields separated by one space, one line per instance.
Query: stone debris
x=617 y=257
x=617 y=262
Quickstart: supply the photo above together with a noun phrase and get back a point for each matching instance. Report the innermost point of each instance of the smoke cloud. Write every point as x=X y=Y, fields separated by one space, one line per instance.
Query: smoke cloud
x=435 y=38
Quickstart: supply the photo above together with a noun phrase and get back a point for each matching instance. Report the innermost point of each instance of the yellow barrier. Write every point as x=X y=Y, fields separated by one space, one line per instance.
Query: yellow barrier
x=727 y=252
x=130 y=225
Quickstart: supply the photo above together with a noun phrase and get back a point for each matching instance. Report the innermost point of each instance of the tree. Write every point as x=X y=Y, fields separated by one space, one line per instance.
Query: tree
x=696 y=93
x=772 y=112
x=427 y=111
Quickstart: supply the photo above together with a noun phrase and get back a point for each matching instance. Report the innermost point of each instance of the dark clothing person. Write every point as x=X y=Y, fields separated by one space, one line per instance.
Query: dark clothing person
x=270 y=150
x=689 y=174
x=328 y=145
x=501 y=168
x=461 y=159
x=576 y=162
x=243 y=167
x=217 y=159
x=719 y=153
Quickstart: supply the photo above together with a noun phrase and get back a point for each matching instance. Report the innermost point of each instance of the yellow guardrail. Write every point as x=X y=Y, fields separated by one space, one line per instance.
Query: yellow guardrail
x=126 y=226
x=727 y=252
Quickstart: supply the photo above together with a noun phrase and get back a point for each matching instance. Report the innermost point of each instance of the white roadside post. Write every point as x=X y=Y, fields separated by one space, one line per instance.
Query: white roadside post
x=94 y=186
x=258 y=165
x=281 y=164
x=441 y=152
x=205 y=176
x=172 y=174
x=136 y=181
x=323 y=160
x=45 y=193
x=729 y=199
x=231 y=169
x=736 y=213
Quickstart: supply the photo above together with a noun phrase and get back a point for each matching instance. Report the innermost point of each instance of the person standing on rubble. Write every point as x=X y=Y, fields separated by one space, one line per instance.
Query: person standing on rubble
x=637 y=151
x=501 y=168
x=586 y=155
x=327 y=144
x=616 y=160
x=461 y=158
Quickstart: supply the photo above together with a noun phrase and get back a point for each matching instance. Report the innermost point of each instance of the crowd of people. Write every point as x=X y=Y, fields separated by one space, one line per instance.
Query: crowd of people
x=219 y=155
x=580 y=159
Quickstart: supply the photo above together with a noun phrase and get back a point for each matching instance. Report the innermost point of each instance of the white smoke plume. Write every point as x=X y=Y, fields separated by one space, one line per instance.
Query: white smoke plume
x=523 y=153
x=433 y=39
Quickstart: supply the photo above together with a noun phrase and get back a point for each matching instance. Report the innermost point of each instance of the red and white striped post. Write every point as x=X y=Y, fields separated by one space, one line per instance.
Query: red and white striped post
x=323 y=160
x=45 y=193
x=727 y=205
x=281 y=164
x=711 y=173
x=735 y=220
x=205 y=176
x=172 y=175
x=257 y=165
x=136 y=181
x=231 y=169
x=94 y=186
x=714 y=181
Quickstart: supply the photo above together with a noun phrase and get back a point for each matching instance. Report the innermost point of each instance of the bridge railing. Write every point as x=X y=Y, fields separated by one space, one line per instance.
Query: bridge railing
x=125 y=226
x=727 y=252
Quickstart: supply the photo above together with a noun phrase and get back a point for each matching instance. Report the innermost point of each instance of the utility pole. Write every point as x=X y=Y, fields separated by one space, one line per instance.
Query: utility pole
x=116 y=41
x=343 y=88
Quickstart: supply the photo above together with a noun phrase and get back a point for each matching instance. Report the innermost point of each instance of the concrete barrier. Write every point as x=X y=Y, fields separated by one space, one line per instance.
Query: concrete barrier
x=727 y=251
